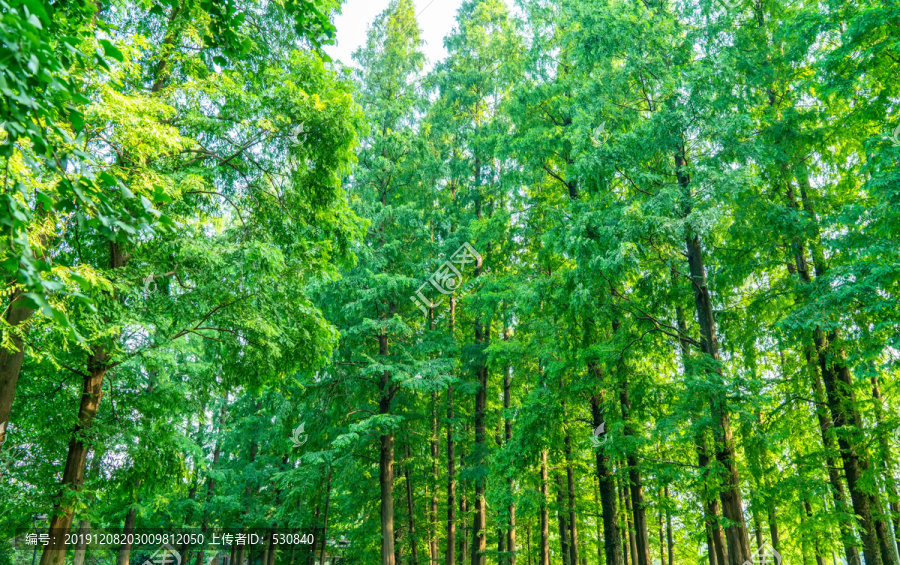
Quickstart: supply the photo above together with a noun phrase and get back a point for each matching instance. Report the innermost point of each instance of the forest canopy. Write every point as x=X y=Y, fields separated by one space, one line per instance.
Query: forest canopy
x=614 y=282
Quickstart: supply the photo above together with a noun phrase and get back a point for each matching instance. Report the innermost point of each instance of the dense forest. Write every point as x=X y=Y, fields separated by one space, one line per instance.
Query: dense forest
x=615 y=282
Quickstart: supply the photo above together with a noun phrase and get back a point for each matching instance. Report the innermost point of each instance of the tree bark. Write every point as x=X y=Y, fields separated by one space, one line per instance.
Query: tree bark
x=73 y=472
x=451 y=484
x=641 y=553
x=570 y=483
x=629 y=524
x=479 y=527
x=670 y=543
x=411 y=509
x=565 y=550
x=386 y=465
x=612 y=541
x=511 y=507
x=11 y=361
x=730 y=495
x=325 y=516
x=433 y=512
x=125 y=549
x=545 y=519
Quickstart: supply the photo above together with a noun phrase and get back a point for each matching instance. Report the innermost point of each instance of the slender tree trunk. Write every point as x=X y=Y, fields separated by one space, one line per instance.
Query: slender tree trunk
x=451 y=484
x=479 y=527
x=845 y=520
x=85 y=528
x=570 y=483
x=511 y=507
x=641 y=555
x=411 y=509
x=325 y=515
x=386 y=465
x=888 y=462
x=629 y=524
x=820 y=559
x=597 y=522
x=612 y=540
x=435 y=476
x=211 y=481
x=730 y=494
x=670 y=543
x=545 y=518
x=773 y=525
x=464 y=538
x=561 y=519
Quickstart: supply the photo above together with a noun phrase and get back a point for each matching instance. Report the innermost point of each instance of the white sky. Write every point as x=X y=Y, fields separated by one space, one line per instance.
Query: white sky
x=436 y=19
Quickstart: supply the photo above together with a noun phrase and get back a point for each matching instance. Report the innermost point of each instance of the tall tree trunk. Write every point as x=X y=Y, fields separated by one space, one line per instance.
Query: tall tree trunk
x=435 y=478
x=730 y=494
x=561 y=519
x=511 y=507
x=464 y=537
x=73 y=472
x=670 y=543
x=479 y=527
x=845 y=519
x=888 y=462
x=773 y=524
x=629 y=523
x=325 y=515
x=451 y=484
x=820 y=559
x=386 y=463
x=842 y=400
x=612 y=541
x=211 y=481
x=641 y=555
x=85 y=528
x=570 y=484
x=411 y=509
x=11 y=361
x=545 y=518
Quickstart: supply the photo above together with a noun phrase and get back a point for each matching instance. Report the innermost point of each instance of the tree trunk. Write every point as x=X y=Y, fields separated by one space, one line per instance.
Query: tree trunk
x=411 y=509
x=641 y=546
x=451 y=484
x=325 y=516
x=479 y=527
x=561 y=519
x=81 y=546
x=842 y=401
x=629 y=524
x=545 y=519
x=73 y=473
x=670 y=544
x=773 y=524
x=433 y=512
x=730 y=495
x=511 y=507
x=820 y=559
x=125 y=549
x=386 y=464
x=11 y=361
x=888 y=462
x=211 y=481
x=612 y=541
x=570 y=483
